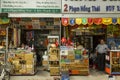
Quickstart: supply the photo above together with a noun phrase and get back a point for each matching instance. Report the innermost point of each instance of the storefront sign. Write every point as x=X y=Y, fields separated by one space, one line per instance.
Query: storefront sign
x=90 y=6
x=31 y=6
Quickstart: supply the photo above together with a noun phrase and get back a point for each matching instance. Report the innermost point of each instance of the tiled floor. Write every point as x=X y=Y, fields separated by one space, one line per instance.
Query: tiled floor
x=44 y=75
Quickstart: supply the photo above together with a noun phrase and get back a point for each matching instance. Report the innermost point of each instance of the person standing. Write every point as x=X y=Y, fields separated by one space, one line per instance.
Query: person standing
x=101 y=50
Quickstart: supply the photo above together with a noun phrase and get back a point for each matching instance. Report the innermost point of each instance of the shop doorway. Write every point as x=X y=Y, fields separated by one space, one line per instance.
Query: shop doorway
x=39 y=42
x=38 y=30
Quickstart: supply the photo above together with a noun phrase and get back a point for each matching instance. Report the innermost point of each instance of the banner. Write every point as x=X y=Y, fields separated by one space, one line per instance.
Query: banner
x=91 y=6
x=31 y=6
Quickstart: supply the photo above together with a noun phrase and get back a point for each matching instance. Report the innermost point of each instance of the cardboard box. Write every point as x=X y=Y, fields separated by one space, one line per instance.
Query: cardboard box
x=71 y=56
x=20 y=55
x=29 y=66
x=17 y=66
x=29 y=57
x=15 y=62
x=30 y=70
x=54 y=51
x=54 y=63
x=28 y=62
x=44 y=62
x=54 y=58
x=54 y=71
x=22 y=71
x=77 y=61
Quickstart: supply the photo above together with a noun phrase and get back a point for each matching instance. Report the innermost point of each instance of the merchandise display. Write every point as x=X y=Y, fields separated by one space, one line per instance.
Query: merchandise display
x=2 y=45
x=53 y=53
x=2 y=54
x=23 y=62
x=113 y=62
x=54 y=61
x=39 y=29
x=74 y=61
x=2 y=37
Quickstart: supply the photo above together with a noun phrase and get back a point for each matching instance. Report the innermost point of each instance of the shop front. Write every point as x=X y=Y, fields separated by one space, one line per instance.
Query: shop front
x=33 y=30
x=85 y=23
x=61 y=41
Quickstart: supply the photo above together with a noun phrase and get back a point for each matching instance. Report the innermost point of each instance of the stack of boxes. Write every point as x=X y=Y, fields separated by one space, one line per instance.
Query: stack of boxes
x=54 y=61
x=29 y=58
x=23 y=63
x=76 y=62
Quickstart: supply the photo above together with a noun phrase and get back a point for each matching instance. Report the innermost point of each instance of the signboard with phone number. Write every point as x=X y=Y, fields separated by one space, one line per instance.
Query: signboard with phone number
x=30 y=6
x=90 y=6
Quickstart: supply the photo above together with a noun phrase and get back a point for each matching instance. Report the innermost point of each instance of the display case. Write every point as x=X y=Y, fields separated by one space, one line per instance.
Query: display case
x=113 y=62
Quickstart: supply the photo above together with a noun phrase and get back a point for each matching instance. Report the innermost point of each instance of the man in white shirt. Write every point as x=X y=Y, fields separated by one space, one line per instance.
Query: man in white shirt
x=101 y=50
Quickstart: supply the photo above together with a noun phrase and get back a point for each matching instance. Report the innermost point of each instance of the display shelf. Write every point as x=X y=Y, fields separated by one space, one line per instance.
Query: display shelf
x=113 y=67
x=54 y=71
x=75 y=66
x=54 y=54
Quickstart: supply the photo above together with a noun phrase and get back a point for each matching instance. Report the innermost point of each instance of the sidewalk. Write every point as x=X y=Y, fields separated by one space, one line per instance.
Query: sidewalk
x=44 y=75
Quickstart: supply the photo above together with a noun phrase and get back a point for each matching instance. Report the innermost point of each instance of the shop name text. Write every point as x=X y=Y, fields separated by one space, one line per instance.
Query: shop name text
x=85 y=8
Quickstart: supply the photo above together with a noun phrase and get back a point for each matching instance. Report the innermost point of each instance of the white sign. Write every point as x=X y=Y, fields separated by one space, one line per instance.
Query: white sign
x=90 y=6
x=31 y=6
x=111 y=77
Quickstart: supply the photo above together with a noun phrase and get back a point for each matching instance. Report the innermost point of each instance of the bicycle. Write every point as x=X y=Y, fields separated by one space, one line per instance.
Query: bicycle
x=5 y=71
